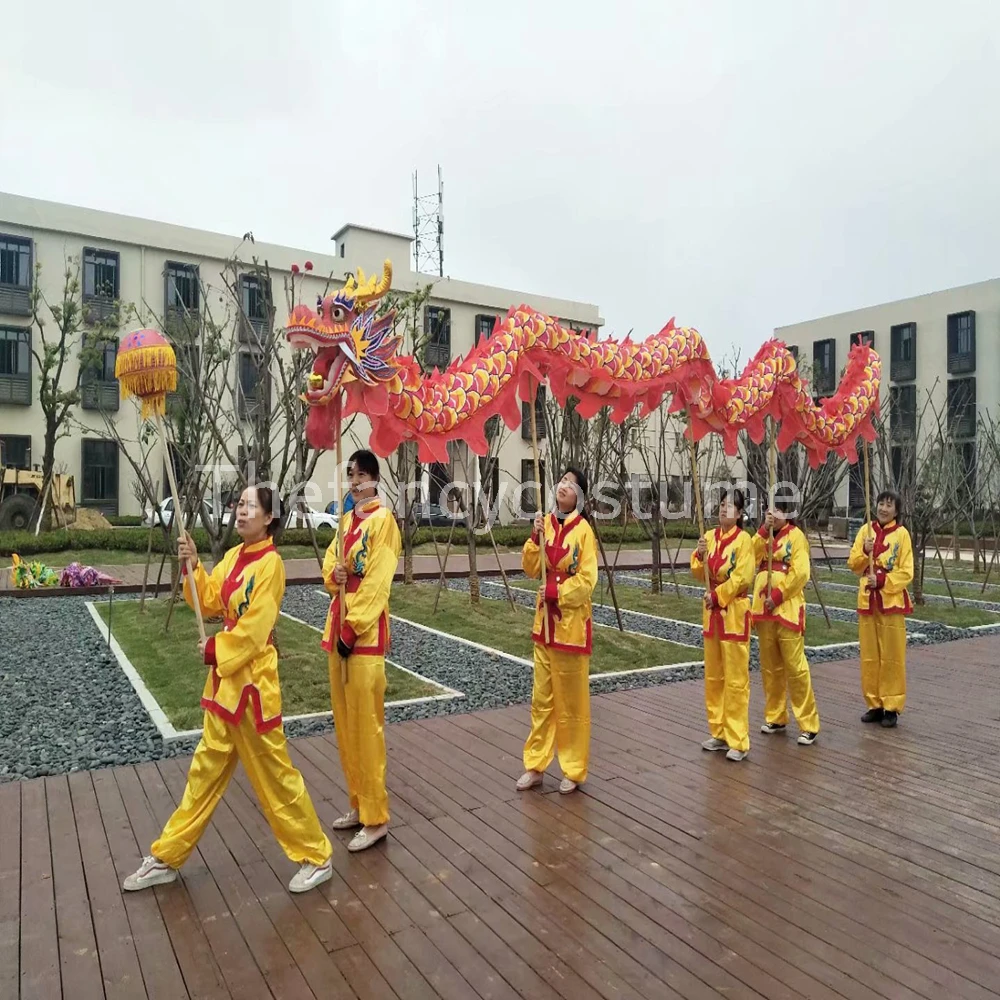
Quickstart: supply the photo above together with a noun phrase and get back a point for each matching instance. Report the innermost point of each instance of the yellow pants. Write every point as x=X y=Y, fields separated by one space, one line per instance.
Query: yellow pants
x=560 y=713
x=359 y=718
x=883 y=660
x=278 y=784
x=784 y=670
x=727 y=691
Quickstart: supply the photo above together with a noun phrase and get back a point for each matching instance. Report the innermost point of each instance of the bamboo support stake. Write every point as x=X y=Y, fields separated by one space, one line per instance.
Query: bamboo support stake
x=342 y=555
x=772 y=476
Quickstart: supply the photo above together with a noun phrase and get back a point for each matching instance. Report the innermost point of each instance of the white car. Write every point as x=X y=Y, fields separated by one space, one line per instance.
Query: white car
x=164 y=513
x=319 y=519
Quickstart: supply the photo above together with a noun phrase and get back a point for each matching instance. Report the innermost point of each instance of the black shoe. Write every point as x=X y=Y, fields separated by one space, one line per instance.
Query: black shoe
x=772 y=727
x=889 y=719
x=807 y=739
x=873 y=715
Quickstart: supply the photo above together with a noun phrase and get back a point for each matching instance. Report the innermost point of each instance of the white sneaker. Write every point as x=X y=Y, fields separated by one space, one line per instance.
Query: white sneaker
x=368 y=836
x=737 y=755
x=152 y=871
x=528 y=780
x=309 y=876
x=347 y=822
x=714 y=744
x=566 y=786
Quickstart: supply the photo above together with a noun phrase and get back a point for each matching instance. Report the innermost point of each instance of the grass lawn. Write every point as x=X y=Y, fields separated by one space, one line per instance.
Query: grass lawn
x=930 y=586
x=688 y=609
x=171 y=666
x=94 y=557
x=495 y=623
x=961 y=617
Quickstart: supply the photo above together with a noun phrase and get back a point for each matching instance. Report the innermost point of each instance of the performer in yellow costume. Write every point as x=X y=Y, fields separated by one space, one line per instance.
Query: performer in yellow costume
x=562 y=635
x=371 y=546
x=780 y=619
x=242 y=702
x=883 y=603
x=724 y=561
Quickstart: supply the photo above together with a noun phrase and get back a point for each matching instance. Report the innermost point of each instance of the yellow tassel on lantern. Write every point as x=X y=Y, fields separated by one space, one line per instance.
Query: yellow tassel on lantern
x=146 y=367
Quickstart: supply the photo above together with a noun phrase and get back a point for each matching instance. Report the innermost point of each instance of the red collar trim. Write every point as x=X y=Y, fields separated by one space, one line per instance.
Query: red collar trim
x=248 y=555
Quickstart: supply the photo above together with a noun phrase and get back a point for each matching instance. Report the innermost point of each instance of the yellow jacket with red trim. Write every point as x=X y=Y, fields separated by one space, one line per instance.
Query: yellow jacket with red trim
x=727 y=572
x=372 y=544
x=571 y=575
x=893 y=560
x=246 y=588
x=790 y=570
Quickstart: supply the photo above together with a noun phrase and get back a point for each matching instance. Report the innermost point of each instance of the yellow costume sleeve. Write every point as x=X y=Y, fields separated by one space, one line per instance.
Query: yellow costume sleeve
x=857 y=561
x=742 y=577
x=366 y=605
x=248 y=637
x=697 y=566
x=330 y=560
x=759 y=548
x=209 y=588
x=900 y=576
x=531 y=562
x=576 y=590
x=793 y=583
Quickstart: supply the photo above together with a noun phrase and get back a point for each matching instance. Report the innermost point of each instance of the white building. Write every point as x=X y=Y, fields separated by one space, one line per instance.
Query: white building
x=927 y=344
x=167 y=270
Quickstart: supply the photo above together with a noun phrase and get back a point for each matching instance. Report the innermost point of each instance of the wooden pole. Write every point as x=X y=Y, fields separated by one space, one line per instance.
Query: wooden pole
x=772 y=477
x=175 y=493
x=868 y=512
x=342 y=556
x=694 y=480
x=538 y=507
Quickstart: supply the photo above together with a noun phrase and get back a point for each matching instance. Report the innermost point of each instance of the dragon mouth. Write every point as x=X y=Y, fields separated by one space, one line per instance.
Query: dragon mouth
x=331 y=370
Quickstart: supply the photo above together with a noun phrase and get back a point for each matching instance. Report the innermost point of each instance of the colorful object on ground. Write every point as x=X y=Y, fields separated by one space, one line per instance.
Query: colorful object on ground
x=357 y=355
x=146 y=367
x=75 y=575
x=28 y=576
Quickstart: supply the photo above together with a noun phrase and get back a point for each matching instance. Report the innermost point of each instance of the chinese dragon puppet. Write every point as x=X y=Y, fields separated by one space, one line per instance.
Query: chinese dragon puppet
x=358 y=362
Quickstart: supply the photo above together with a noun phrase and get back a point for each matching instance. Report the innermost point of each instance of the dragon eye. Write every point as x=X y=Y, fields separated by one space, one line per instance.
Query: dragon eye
x=337 y=314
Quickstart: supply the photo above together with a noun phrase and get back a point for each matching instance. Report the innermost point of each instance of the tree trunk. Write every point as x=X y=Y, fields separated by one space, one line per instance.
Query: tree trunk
x=473 y=567
x=657 y=578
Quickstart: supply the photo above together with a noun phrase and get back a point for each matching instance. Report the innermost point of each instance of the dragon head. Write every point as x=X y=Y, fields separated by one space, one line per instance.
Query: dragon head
x=350 y=341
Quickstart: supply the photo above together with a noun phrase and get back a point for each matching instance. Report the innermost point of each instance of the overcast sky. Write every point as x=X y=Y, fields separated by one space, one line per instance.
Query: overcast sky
x=740 y=165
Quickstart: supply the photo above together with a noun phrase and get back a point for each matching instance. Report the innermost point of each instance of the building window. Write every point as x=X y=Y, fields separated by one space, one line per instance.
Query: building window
x=438 y=476
x=437 y=337
x=255 y=298
x=15 y=275
x=856 y=487
x=865 y=337
x=961 y=343
x=254 y=385
x=15 y=365
x=539 y=416
x=484 y=327
x=489 y=479
x=100 y=283
x=904 y=466
x=962 y=408
x=903 y=412
x=181 y=298
x=343 y=249
x=824 y=367
x=98 y=386
x=527 y=495
x=100 y=474
x=188 y=356
x=903 y=353
x=793 y=349
x=967 y=470
x=15 y=451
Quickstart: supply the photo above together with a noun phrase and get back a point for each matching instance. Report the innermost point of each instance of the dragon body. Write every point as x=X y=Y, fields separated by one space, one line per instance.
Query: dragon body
x=357 y=359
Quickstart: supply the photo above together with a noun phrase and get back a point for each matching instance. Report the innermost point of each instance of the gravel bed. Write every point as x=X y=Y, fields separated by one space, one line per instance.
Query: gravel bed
x=67 y=706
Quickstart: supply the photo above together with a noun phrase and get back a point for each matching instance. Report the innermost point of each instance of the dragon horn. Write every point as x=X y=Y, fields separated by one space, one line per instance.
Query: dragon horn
x=376 y=291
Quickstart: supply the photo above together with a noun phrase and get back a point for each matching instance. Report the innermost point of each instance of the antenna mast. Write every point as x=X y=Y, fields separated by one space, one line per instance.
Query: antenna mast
x=428 y=229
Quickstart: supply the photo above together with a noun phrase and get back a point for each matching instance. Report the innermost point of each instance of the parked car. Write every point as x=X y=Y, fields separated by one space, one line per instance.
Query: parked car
x=318 y=519
x=331 y=507
x=435 y=516
x=207 y=517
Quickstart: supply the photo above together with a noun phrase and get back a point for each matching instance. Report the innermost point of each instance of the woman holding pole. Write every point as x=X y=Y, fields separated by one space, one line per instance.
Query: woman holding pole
x=560 y=698
x=882 y=556
x=242 y=702
x=358 y=571
x=724 y=561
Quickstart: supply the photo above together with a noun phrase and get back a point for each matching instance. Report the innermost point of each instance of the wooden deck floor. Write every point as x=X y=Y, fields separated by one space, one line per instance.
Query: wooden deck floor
x=865 y=866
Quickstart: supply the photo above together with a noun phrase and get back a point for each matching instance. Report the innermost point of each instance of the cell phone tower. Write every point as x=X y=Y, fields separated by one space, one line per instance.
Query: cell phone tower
x=428 y=228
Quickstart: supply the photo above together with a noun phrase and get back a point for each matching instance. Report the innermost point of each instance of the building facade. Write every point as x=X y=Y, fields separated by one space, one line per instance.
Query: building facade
x=938 y=357
x=176 y=274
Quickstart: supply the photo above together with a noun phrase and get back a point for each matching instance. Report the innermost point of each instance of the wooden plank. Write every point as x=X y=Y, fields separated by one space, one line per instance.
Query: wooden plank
x=119 y=963
x=78 y=958
x=201 y=972
x=39 y=936
x=10 y=889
